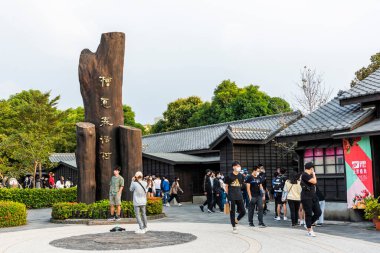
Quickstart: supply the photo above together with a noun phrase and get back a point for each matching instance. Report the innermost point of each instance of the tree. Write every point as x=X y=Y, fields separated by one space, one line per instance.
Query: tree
x=31 y=130
x=179 y=112
x=129 y=118
x=366 y=71
x=312 y=91
x=228 y=103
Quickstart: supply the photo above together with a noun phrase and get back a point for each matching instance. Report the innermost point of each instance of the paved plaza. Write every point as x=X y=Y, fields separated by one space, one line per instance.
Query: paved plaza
x=212 y=232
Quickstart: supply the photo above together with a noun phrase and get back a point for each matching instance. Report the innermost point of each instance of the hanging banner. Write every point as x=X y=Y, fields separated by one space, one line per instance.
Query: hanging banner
x=358 y=157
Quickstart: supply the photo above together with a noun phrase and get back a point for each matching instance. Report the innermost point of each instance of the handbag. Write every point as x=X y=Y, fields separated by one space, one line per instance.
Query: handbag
x=227 y=208
x=284 y=196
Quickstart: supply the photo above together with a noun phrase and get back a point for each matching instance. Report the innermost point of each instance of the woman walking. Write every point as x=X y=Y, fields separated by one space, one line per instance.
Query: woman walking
x=139 y=189
x=174 y=192
x=150 y=186
x=293 y=187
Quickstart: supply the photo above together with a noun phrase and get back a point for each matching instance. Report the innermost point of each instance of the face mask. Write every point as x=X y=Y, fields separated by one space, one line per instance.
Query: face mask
x=219 y=176
x=222 y=177
x=238 y=169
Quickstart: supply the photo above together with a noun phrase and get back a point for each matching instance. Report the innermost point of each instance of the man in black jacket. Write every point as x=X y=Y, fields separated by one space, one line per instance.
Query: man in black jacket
x=205 y=180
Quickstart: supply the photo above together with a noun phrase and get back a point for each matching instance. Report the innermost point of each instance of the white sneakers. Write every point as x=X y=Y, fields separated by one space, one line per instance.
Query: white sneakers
x=278 y=218
x=285 y=218
x=167 y=204
x=311 y=234
x=140 y=231
x=234 y=230
x=179 y=204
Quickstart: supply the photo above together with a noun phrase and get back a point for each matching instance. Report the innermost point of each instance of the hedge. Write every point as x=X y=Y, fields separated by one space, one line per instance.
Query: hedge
x=38 y=198
x=100 y=209
x=12 y=214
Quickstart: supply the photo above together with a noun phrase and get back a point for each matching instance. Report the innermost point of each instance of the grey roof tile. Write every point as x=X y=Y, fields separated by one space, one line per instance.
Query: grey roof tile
x=184 y=158
x=328 y=118
x=199 y=138
x=368 y=86
x=61 y=157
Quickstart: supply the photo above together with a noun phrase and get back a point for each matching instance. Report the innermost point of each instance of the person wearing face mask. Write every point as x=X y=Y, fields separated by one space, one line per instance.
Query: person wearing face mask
x=206 y=181
x=256 y=196
x=234 y=183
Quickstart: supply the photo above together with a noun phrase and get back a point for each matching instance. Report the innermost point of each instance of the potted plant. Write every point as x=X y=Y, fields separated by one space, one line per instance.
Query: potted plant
x=372 y=209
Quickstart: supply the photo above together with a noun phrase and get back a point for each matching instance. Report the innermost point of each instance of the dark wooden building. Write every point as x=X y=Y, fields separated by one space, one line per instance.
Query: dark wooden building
x=66 y=166
x=188 y=153
x=353 y=117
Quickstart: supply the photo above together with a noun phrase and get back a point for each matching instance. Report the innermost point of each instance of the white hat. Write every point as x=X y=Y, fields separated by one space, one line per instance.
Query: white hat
x=139 y=174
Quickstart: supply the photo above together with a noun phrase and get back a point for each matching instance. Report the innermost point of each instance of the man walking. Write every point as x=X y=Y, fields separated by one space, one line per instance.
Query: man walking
x=256 y=196
x=157 y=186
x=116 y=188
x=205 y=181
x=264 y=184
x=234 y=183
x=165 y=186
x=309 y=198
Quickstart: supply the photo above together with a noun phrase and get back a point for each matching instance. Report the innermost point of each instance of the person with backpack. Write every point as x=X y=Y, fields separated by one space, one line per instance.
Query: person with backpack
x=309 y=198
x=278 y=186
x=139 y=189
x=293 y=189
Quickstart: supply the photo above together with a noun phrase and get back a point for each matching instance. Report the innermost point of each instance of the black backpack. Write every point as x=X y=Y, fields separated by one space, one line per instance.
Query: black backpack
x=278 y=184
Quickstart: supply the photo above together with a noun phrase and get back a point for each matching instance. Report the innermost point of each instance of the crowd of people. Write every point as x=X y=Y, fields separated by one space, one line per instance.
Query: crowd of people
x=45 y=182
x=244 y=191
x=237 y=193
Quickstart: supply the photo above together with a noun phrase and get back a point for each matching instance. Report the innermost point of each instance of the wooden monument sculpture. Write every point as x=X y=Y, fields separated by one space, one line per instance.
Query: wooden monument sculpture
x=103 y=142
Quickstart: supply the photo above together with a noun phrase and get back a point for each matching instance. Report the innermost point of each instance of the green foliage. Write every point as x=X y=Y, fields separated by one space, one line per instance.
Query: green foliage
x=100 y=209
x=38 y=198
x=372 y=208
x=129 y=118
x=12 y=214
x=364 y=72
x=229 y=103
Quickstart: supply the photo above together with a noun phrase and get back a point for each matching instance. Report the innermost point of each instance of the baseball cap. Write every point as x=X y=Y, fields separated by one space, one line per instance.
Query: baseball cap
x=309 y=165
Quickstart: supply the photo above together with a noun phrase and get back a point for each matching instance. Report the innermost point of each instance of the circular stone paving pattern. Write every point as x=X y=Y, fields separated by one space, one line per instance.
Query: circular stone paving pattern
x=127 y=240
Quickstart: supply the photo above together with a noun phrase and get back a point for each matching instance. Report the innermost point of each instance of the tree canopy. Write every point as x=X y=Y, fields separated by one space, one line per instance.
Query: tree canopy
x=32 y=128
x=228 y=103
x=366 y=71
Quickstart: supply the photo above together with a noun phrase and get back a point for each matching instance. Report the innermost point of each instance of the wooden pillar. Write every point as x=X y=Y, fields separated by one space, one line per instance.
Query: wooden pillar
x=101 y=78
x=131 y=156
x=86 y=162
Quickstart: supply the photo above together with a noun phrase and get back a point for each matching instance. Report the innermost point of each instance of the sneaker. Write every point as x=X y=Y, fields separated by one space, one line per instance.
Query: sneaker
x=319 y=225
x=140 y=231
x=167 y=204
x=251 y=225
x=202 y=208
x=179 y=204
x=146 y=230
x=117 y=218
x=234 y=230
x=277 y=218
x=111 y=219
x=209 y=211
x=311 y=234
x=285 y=218
x=262 y=225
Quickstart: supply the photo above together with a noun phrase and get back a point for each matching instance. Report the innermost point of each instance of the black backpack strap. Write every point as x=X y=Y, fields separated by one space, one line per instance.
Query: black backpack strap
x=141 y=186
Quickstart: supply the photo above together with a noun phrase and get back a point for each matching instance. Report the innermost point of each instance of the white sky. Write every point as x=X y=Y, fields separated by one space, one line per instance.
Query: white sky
x=178 y=48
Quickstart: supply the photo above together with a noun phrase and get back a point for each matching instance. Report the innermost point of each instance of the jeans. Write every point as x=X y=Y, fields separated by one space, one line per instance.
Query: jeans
x=140 y=212
x=165 y=197
x=158 y=192
x=255 y=201
x=239 y=204
x=322 y=204
x=294 y=206
x=312 y=210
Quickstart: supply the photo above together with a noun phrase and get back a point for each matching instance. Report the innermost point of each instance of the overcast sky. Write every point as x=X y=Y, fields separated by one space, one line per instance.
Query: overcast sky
x=179 y=48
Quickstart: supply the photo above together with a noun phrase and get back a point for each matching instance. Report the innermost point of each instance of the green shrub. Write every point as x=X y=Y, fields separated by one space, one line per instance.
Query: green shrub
x=39 y=198
x=12 y=214
x=372 y=208
x=100 y=209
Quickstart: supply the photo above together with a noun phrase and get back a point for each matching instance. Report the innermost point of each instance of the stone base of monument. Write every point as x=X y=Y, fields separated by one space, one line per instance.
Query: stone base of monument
x=104 y=221
x=127 y=240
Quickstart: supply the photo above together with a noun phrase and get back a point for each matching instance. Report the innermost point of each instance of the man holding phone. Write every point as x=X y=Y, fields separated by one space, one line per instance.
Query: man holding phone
x=309 y=197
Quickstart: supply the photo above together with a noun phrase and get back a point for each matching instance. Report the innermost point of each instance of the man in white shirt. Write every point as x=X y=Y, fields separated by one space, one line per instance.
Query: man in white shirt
x=157 y=186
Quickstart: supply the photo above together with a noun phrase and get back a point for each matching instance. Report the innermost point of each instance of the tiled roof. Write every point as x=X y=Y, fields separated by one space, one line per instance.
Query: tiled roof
x=368 y=86
x=330 y=117
x=200 y=138
x=61 y=157
x=370 y=128
x=183 y=158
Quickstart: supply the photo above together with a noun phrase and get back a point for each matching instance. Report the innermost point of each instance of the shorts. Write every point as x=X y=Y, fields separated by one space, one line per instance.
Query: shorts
x=150 y=190
x=278 y=199
x=115 y=200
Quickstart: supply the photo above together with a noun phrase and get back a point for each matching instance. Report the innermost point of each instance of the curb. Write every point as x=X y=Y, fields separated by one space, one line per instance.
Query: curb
x=104 y=222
